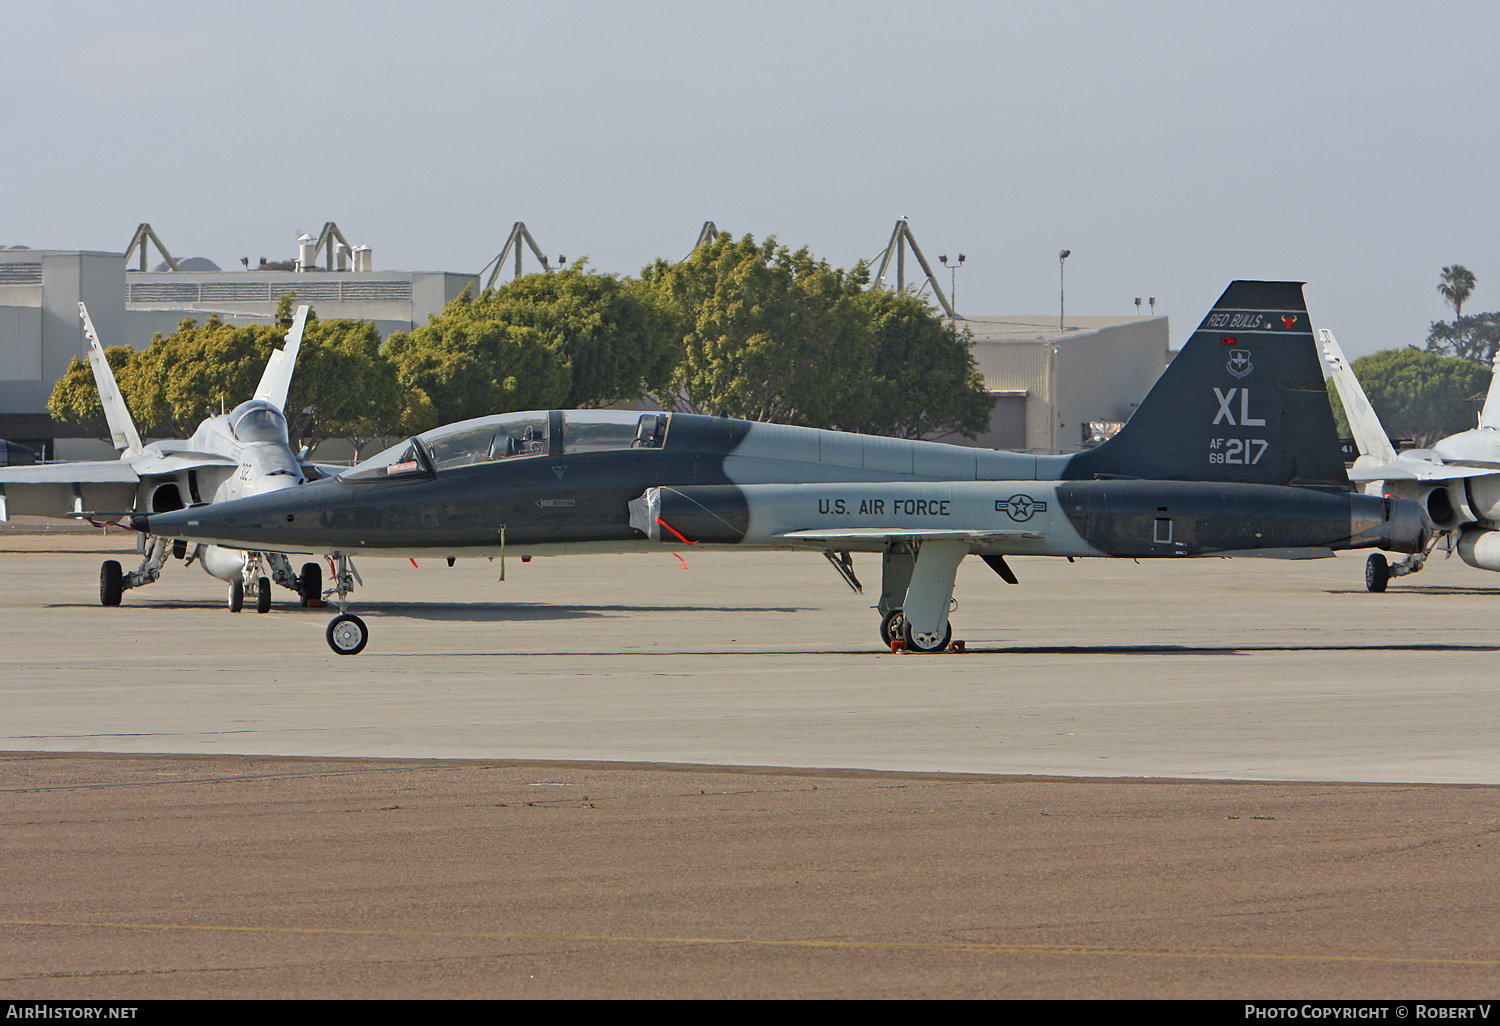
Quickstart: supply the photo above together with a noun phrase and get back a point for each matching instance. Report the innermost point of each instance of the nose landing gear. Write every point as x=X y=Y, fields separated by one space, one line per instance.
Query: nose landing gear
x=347 y=633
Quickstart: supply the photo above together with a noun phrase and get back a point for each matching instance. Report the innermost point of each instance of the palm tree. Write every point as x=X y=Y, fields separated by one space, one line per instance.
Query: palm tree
x=1456 y=283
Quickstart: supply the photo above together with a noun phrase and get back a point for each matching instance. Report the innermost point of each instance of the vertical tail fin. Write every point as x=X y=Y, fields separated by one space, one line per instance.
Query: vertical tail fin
x=1369 y=435
x=1489 y=416
x=121 y=427
x=1244 y=401
x=276 y=379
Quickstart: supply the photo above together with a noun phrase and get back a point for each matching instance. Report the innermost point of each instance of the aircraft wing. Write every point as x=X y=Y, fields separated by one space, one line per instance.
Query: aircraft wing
x=864 y=535
x=58 y=489
x=1422 y=470
x=276 y=379
x=167 y=464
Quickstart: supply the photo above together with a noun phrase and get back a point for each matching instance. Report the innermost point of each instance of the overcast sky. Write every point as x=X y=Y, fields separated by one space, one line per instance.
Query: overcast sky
x=1171 y=146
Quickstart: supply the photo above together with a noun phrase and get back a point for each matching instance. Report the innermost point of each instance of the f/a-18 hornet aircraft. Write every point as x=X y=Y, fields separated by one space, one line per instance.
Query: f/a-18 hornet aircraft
x=244 y=452
x=1457 y=481
x=1233 y=452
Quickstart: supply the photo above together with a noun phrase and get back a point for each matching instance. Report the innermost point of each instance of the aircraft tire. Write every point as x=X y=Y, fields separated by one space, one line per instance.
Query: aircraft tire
x=263 y=595
x=236 y=595
x=1377 y=572
x=310 y=582
x=916 y=641
x=111 y=583
x=892 y=626
x=347 y=634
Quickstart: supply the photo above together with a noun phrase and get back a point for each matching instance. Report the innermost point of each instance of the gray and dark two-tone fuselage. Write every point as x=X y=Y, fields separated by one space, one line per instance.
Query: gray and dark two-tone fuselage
x=724 y=482
x=1233 y=452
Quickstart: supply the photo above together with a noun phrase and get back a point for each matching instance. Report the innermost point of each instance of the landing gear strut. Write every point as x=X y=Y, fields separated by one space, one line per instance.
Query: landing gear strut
x=347 y=633
x=916 y=591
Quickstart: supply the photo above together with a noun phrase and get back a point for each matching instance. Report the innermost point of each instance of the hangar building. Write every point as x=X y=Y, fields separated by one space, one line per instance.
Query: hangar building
x=1059 y=390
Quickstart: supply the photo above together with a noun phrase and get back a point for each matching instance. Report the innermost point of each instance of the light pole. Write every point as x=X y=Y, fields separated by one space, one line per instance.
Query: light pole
x=1062 y=255
x=953 y=281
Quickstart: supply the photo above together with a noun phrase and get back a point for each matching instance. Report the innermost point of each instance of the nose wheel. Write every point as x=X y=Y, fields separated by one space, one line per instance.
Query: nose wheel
x=347 y=634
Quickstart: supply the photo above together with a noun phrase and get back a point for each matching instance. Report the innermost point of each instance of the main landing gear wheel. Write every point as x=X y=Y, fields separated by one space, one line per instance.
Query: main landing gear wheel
x=347 y=634
x=263 y=595
x=310 y=582
x=236 y=595
x=1377 y=572
x=921 y=641
x=892 y=627
x=111 y=583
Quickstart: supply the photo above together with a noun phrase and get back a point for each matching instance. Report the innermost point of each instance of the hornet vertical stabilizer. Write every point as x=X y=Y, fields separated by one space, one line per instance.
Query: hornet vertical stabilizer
x=1489 y=417
x=276 y=380
x=122 y=430
x=1370 y=439
x=1243 y=402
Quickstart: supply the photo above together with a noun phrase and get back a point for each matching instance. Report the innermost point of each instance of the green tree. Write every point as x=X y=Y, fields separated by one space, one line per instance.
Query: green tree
x=1456 y=283
x=926 y=384
x=343 y=387
x=457 y=366
x=768 y=334
x=614 y=336
x=1418 y=395
x=1476 y=337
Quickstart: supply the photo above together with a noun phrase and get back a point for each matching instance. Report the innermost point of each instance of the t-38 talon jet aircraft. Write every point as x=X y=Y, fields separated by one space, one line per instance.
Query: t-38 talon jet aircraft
x=1233 y=452
x=231 y=456
x=1457 y=481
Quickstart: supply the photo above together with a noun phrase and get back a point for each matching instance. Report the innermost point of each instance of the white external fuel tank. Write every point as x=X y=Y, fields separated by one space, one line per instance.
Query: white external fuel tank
x=1480 y=548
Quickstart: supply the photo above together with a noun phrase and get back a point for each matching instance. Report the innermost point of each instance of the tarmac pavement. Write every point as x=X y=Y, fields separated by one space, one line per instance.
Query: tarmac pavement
x=610 y=776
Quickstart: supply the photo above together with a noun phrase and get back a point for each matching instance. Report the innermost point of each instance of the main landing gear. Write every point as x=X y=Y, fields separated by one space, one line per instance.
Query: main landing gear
x=1379 y=571
x=347 y=633
x=917 y=590
x=114 y=582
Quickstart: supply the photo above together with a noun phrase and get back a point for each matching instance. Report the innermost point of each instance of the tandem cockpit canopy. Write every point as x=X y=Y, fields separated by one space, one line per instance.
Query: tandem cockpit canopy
x=509 y=436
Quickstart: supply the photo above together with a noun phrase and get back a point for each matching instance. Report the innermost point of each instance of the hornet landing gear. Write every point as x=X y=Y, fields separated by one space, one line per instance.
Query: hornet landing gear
x=1378 y=571
x=310 y=584
x=111 y=583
